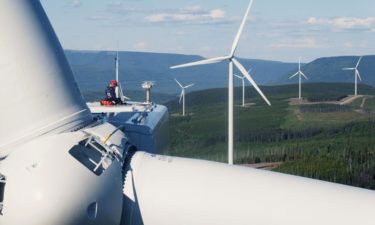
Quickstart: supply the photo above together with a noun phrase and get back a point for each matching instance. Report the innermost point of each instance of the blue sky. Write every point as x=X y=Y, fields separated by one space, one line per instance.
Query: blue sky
x=277 y=30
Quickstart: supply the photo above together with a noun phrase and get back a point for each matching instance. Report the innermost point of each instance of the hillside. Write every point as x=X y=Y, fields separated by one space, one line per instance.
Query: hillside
x=328 y=142
x=94 y=69
x=330 y=70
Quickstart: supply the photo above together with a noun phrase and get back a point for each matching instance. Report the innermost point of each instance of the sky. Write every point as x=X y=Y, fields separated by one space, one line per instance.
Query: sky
x=282 y=30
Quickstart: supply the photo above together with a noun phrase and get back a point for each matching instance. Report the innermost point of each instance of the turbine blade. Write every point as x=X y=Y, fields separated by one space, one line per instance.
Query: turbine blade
x=359 y=61
x=239 y=33
x=348 y=69
x=202 y=62
x=240 y=77
x=250 y=79
x=190 y=85
x=359 y=76
x=304 y=75
x=293 y=75
x=178 y=83
x=182 y=93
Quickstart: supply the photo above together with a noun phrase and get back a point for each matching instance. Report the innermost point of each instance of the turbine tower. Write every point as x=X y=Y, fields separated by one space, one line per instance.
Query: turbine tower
x=242 y=78
x=356 y=76
x=182 y=96
x=232 y=62
x=300 y=74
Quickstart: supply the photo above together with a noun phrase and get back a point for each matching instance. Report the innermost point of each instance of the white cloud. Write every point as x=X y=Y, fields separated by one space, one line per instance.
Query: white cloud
x=348 y=44
x=217 y=13
x=115 y=4
x=344 y=23
x=191 y=14
x=98 y=18
x=304 y=43
x=195 y=9
x=141 y=46
x=355 y=45
x=75 y=3
x=156 y=18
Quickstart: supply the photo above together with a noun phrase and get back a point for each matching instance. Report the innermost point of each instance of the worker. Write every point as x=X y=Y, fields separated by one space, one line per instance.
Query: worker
x=112 y=93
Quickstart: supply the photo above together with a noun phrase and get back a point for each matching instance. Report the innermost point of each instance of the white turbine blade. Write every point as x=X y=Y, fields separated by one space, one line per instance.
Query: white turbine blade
x=304 y=75
x=182 y=93
x=178 y=83
x=247 y=75
x=202 y=62
x=348 y=69
x=240 y=77
x=359 y=76
x=190 y=85
x=239 y=33
x=359 y=61
x=293 y=75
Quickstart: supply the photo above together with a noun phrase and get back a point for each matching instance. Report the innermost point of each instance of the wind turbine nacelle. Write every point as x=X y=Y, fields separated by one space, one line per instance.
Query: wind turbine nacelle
x=51 y=180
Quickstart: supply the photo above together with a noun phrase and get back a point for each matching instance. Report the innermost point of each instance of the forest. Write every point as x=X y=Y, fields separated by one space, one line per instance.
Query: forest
x=329 y=142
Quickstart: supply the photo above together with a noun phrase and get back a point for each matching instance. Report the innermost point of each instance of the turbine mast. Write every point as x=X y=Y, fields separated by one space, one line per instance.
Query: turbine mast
x=355 y=83
x=300 y=79
x=243 y=92
x=230 y=115
x=117 y=68
x=183 y=101
x=300 y=84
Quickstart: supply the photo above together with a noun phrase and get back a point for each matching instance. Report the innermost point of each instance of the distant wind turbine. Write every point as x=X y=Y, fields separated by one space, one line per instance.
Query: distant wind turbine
x=356 y=76
x=300 y=74
x=243 y=87
x=232 y=62
x=182 y=96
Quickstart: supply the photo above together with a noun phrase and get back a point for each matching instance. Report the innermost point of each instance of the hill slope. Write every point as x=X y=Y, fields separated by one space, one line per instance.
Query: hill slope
x=330 y=70
x=94 y=69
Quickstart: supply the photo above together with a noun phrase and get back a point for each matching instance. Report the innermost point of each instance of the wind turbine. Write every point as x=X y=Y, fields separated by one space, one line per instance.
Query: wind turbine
x=356 y=76
x=232 y=62
x=300 y=74
x=51 y=149
x=242 y=78
x=182 y=96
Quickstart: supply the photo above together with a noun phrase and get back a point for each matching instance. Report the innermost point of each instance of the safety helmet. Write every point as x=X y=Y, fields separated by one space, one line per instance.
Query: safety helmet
x=114 y=82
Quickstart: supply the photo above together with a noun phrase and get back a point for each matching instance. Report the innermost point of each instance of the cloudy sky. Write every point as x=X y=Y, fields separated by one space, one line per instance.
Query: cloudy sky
x=277 y=30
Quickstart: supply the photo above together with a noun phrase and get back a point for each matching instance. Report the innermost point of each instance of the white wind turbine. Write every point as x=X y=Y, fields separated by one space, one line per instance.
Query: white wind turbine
x=232 y=62
x=300 y=74
x=356 y=75
x=242 y=78
x=182 y=96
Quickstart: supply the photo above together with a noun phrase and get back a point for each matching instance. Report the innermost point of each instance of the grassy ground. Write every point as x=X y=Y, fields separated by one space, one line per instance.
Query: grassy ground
x=335 y=146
